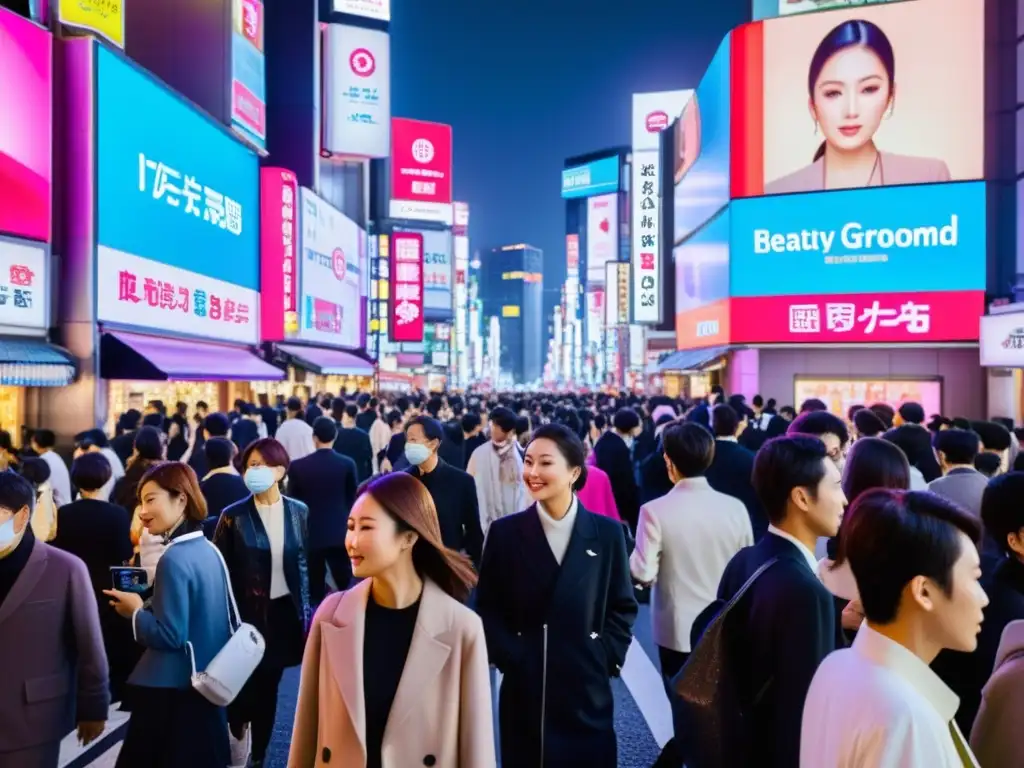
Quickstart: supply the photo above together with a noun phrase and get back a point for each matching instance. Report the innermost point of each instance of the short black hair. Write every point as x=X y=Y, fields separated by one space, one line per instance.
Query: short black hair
x=912 y=413
x=149 y=444
x=35 y=470
x=854 y=409
x=875 y=463
x=16 y=492
x=504 y=418
x=470 y=421
x=90 y=471
x=352 y=411
x=819 y=423
x=867 y=423
x=626 y=420
x=885 y=412
x=431 y=427
x=724 y=420
x=153 y=420
x=44 y=438
x=959 y=446
x=294 y=405
x=363 y=400
x=216 y=425
x=758 y=401
x=569 y=445
x=891 y=537
x=95 y=437
x=690 y=447
x=812 y=404
x=219 y=452
x=1002 y=508
x=995 y=437
x=325 y=429
x=785 y=463
x=988 y=463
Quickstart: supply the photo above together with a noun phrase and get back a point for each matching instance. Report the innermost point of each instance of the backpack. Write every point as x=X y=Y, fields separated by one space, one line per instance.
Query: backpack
x=710 y=693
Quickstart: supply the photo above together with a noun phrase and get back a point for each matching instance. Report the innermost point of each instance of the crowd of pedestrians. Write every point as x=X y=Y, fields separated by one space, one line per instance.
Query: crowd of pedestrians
x=825 y=590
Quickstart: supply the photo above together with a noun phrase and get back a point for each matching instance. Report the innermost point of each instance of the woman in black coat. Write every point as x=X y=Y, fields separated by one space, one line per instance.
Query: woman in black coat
x=557 y=605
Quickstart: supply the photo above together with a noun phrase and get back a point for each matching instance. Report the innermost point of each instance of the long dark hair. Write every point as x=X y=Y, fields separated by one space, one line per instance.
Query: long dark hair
x=408 y=502
x=847 y=35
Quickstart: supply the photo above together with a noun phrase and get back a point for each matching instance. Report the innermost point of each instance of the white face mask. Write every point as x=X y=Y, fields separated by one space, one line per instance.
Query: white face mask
x=9 y=538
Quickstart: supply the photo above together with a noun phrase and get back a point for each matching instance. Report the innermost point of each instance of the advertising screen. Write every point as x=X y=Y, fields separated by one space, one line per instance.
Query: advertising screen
x=406 y=302
x=331 y=273
x=26 y=127
x=101 y=17
x=1002 y=340
x=602 y=235
x=421 y=169
x=369 y=9
x=840 y=394
x=766 y=9
x=279 y=266
x=702 y=285
x=24 y=284
x=936 y=316
x=930 y=238
x=702 y=144
x=438 y=273
x=875 y=96
x=356 y=91
x=248 y=78
x=596 y=178
x=178 y=232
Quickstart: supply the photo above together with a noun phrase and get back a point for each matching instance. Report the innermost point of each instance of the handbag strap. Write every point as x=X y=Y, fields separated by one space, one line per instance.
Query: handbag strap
x=232 y=605
x=749 y=583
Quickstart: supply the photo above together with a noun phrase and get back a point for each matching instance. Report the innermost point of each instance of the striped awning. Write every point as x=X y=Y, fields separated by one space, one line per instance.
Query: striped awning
x=34 y=363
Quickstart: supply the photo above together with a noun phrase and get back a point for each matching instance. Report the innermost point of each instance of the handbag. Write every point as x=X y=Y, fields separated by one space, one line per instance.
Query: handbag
x=711 y=700
x=228 y=671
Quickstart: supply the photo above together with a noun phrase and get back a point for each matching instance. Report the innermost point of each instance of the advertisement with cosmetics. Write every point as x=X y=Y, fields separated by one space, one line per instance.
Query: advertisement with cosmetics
x=930 y=238
x=840 y=394
x=874 y=96
x=178 y=228
x=702 y=144
x=26 y=128
x=702 y=286
x=331 y=273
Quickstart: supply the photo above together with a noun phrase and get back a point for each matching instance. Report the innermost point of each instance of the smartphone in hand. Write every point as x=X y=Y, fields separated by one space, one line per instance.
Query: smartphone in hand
x=126 y=579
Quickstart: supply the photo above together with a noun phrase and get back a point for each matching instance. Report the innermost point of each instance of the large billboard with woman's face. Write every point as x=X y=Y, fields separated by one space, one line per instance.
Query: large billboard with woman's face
x=873 y=96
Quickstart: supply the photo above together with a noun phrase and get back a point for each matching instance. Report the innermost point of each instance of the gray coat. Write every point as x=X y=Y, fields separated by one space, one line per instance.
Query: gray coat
x=963 y=486
x=53 y=667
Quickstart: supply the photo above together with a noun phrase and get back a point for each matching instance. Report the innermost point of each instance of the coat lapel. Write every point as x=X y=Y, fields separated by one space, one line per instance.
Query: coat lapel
x=428 y=654
x=26 y=581
x=578 y=564
x=343 y=639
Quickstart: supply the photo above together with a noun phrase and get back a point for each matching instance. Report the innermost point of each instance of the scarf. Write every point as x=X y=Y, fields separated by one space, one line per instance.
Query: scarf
x=508 y=470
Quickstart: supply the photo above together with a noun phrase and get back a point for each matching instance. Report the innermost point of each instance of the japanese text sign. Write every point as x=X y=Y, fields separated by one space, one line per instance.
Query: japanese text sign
x=138 y=292
x=406 y=305
x=438 y=274
x=379 y=10
x=279 y=283
x=646 y=235
x=421 y=161
x=23 y=284
x=572 y=255
x=356 y=91
x=248 y=71
x=1002 y=340
x=858 y=318
x=600 y=177
x=174 y=187
x=101 y=17
x=26 y=127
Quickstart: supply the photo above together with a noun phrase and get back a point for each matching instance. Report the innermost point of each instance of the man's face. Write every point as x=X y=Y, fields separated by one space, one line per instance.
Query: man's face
x=824 y=509
x=20 y=522
x=954 y=619
x=416 y=435
x=834 y=449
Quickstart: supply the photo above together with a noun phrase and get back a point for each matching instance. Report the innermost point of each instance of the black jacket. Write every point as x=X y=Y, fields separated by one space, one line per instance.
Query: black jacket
x=355 y=444
x=613 y=457
x=730 y=473
x=789 y=627
x=243 y=541
x=220 y=491
x=458 y=511
x=558 y=633
x=325 y=481
x=244 y=432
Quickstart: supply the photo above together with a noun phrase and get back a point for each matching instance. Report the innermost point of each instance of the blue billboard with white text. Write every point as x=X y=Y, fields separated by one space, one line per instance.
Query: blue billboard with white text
x=597 y=178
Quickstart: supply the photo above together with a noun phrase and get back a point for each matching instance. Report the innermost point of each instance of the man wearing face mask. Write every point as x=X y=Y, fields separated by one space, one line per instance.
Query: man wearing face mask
x=54 y=671
x=453 y=491
x=497 y=469
x=613 y=454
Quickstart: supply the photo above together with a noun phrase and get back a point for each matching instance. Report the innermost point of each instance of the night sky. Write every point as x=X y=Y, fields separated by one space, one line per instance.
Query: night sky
x=527 y=83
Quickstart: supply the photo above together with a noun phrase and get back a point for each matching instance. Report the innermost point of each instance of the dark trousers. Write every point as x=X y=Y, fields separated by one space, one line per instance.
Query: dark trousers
x=671 y=662
x=335 y=558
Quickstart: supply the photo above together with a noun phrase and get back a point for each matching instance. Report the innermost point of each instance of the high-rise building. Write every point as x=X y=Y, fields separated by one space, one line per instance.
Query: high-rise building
x=512 y=290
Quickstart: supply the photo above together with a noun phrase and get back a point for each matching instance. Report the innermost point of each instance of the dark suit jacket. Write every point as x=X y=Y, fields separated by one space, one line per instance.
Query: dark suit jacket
x=612 y=456
x=325 y=481
x=220 y=491
x=458 y=509
x=789 y=627
x=730 y=474
x=355 y=444
x=243 y=432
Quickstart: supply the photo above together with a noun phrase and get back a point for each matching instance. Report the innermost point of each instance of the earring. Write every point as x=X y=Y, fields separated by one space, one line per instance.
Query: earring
x=892 y=109
x=815 y=127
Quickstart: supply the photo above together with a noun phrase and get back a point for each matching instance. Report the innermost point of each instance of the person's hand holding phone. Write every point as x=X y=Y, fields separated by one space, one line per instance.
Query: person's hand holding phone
x=125 y=603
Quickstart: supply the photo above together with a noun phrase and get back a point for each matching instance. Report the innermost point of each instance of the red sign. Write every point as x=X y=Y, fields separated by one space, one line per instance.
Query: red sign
x=279 y=199
x=362 y=62
x=421 y=161
x=572 y=251
x=656 y=122
x=858 y=318
x=406 y=305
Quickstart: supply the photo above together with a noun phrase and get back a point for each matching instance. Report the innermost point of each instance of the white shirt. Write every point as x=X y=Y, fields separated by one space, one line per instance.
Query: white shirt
x=297 y=438
x=558 y=532
x=495 y=498
x=116 y=473
x=877 y=705
x=812 y=561
x=684 y=541
x=60 y=478
x=273 y=521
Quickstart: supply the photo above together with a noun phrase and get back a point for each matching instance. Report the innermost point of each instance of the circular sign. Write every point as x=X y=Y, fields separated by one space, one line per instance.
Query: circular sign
x=338 y=263
x=422 y=151
x=362 y=62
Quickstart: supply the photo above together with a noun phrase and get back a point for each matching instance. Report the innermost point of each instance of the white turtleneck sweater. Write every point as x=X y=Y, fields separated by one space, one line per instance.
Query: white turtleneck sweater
x=558 y=532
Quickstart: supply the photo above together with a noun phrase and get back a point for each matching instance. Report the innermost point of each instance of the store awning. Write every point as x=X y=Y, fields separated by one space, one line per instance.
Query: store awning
x=150 y=358
x=329 y=362
x=691 y=359
x=34 y=363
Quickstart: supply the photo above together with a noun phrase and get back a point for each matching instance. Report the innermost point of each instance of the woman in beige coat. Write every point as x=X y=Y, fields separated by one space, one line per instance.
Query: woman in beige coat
x=395 y=672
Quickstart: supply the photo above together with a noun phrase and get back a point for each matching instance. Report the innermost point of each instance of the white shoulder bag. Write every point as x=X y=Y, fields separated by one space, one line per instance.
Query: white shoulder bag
x=222 y=680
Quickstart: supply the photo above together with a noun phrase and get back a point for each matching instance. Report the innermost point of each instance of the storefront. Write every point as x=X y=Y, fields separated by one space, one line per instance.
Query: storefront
x=314 y=282
x=1002 y=356
x=171 y=275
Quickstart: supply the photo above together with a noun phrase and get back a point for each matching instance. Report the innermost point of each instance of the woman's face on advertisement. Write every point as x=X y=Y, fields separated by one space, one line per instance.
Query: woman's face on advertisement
x=851 y=96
